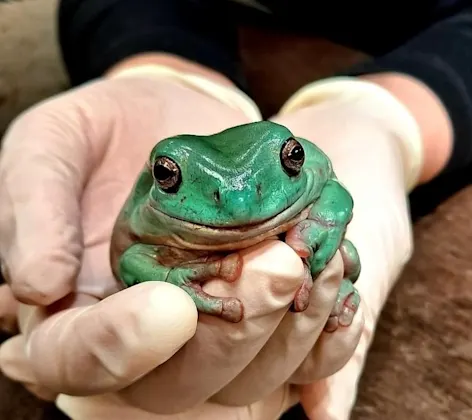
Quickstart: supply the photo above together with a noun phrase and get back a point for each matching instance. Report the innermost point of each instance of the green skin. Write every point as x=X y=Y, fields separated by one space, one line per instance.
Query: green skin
x=235 y=191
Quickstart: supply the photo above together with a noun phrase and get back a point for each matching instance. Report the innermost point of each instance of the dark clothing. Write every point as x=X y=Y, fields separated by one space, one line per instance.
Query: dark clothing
x=430 y=40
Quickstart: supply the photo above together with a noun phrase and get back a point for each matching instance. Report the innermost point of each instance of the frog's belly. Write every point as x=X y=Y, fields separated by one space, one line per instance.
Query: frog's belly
x=170 y=256
x=188 y=236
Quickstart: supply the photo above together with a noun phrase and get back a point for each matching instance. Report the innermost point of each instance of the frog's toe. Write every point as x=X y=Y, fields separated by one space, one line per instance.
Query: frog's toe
x=227 y=308
x=227 y=268
x=302 y=297
x=347 y=304
x=296 y=238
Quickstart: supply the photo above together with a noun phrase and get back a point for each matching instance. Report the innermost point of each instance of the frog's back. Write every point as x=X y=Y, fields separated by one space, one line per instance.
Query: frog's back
x=248 y=136
x=244 y=137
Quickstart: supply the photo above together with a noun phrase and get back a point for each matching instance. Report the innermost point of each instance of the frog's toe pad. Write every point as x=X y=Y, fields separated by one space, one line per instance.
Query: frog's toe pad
x=231 y=267
x=233 y=310
x=343 y=315
x=302 y=297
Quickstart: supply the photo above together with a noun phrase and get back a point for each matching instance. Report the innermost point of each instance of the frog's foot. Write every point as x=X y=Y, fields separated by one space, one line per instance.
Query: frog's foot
x=302 y=297
x=141 y=262
x=315 y=244
x=190 y=278
x=345 y=308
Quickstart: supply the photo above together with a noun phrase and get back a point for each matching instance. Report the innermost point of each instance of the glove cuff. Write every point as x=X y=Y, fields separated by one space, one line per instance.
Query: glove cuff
x=381 y=105
x=230 y=96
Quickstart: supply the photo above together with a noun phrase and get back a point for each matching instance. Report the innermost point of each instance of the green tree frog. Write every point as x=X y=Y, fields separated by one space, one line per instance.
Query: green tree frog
x=202 y=198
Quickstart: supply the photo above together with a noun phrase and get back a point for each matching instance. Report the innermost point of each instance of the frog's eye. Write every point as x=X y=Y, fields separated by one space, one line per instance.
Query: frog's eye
x=292 y=156
x=167 y=174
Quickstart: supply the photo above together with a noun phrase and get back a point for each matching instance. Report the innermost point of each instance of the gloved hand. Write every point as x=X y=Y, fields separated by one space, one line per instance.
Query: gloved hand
x=8 y=310
x=376 y=149
x=65 y=170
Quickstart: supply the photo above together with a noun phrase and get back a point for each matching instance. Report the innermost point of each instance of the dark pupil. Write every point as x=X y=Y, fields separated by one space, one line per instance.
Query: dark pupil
x=162 y=173
x=296 y=154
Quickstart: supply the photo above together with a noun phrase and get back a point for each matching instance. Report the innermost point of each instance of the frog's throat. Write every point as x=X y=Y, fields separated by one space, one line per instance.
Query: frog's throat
x=188 y=235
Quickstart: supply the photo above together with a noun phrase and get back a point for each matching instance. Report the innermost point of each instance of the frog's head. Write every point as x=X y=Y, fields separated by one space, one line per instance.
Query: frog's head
x=242 y=176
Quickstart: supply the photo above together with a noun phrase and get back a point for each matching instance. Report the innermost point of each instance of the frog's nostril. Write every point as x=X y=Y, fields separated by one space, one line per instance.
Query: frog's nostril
x=217 y=196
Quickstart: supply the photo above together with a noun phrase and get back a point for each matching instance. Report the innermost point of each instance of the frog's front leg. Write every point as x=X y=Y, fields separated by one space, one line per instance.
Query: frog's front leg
x=316 y=240
x=140 y=263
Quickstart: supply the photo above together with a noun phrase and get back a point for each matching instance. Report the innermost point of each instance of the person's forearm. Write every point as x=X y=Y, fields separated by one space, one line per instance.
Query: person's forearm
x=431 y=115
x=97 y=36
x=432 y=75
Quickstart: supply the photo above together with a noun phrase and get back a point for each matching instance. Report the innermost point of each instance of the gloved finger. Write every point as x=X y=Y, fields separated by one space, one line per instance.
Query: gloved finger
x=332 y=398
x=43 y=166
x=335 y=395
x=271 y=275
x=8 y=310
x=41 y=392
x=111 y=406
x=109 y=345
x=16 y=366
x=331 y=352
x=290 y=343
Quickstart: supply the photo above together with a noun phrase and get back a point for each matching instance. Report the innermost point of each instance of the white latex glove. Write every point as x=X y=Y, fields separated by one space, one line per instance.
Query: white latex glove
x=376 y=150
x=66 y=169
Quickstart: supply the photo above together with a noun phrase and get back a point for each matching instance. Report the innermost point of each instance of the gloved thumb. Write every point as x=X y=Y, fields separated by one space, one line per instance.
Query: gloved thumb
x=109 y=345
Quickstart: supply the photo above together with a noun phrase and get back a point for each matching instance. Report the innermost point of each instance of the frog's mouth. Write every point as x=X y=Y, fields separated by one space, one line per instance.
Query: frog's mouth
x=190 y=235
